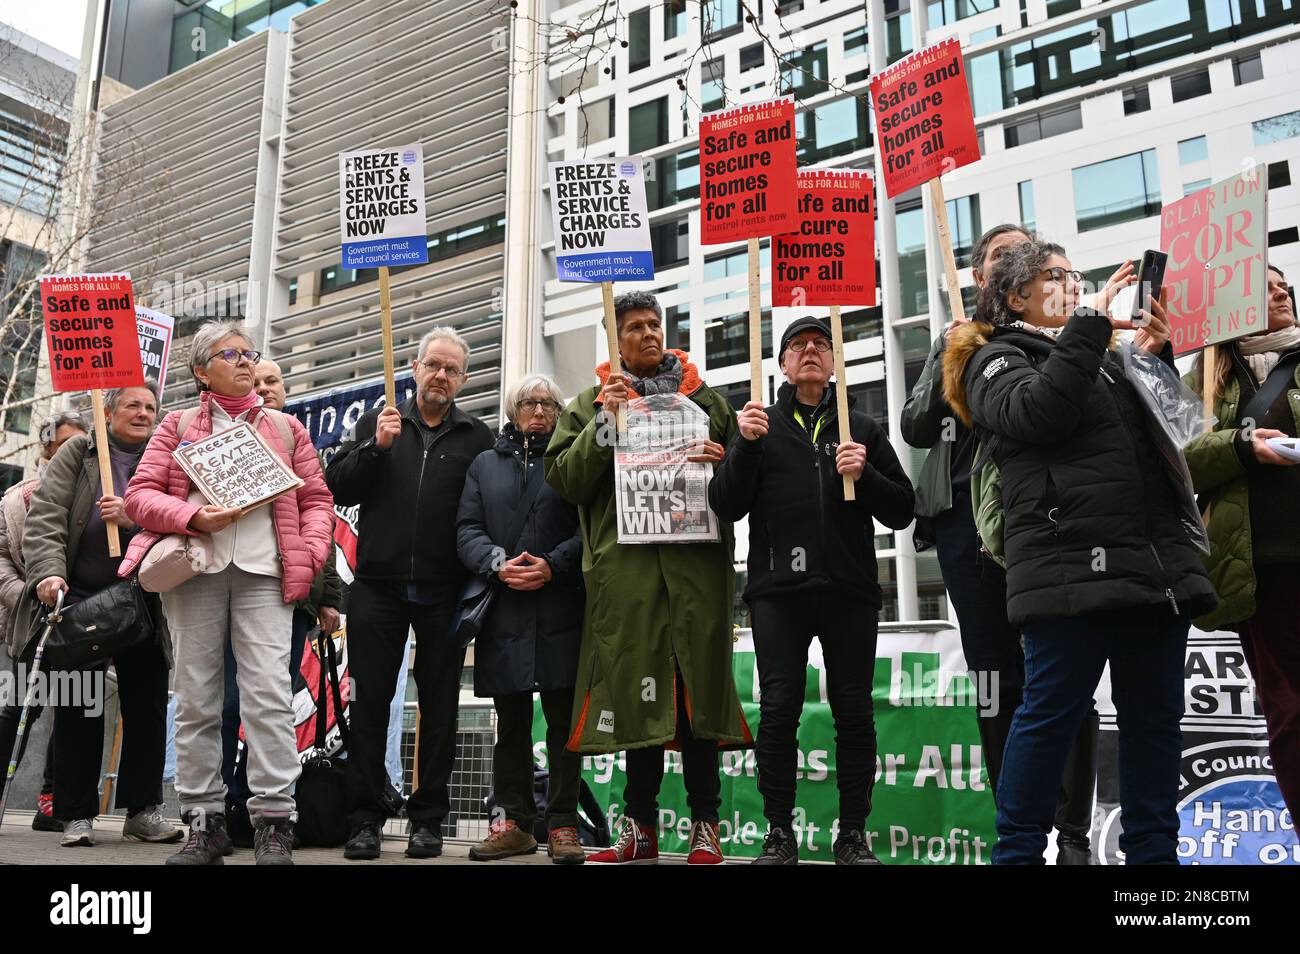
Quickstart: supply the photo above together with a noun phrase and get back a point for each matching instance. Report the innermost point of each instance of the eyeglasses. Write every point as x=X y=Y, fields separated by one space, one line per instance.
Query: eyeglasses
x=1059 y=275
x=433 y=367
x=819 y=343
x=532 y=404
x=232 y=355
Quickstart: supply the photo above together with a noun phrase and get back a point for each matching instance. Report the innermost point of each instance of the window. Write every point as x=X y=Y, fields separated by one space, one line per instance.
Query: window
x=1027 y=204
x=1117 y=190
x=964 y=224
x=20 y=341
x=647 y=125
x=950 y=11
x=1059 y=8
x=1196 y=186
x=31 y=158
x=870 y=398
x=1193 y=150
x=1043 y=126
x=293 y=291
x=726 y=341
x=837 y=128
x=1276 y=128
x=909 y=227
x=596 y=121
x=730 y=264
x=863 y=323
x=1279 y=174
x=1137 y=100
x=677 y=327
x=674 y=19
x=1284 y=236
x=713 y=87
x=670 y=243
x=806 y=73
x=1247 y=69
x=638 y=40
x=751 y=57
x=855 y=42
x=1191 y=85
x=674 y=178
x=445 y=244
x=719 y=18
x=898 y=31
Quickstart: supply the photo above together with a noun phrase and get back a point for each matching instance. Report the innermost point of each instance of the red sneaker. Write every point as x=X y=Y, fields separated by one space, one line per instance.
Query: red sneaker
x=636 y=845
x=44 y=819
x=706 y=849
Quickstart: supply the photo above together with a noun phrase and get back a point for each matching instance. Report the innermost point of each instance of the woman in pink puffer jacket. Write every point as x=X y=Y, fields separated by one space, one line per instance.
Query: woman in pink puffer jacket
x=263 y=561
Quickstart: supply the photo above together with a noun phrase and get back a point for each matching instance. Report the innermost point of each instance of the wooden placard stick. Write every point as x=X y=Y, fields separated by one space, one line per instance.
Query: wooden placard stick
x=386 y=317
x=841 y=390
x=105 y=466
x=955 y=303
x=755 y=324
x=611 y=341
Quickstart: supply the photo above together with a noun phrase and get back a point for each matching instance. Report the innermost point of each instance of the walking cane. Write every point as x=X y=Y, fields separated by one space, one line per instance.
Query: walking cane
x=20 y=738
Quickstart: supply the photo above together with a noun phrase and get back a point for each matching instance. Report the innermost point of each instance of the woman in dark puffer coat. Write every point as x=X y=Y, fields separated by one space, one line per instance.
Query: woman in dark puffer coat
x=1100 y=567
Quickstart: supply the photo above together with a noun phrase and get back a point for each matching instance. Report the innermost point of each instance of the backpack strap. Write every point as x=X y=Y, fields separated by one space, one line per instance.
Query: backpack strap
x=282 y=428
x=187 y=419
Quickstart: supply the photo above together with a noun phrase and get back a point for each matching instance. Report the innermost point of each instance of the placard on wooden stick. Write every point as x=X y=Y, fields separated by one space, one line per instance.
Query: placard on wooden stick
x=237 y=468
x=90 y=332
x=829 y=260
x=747 y=191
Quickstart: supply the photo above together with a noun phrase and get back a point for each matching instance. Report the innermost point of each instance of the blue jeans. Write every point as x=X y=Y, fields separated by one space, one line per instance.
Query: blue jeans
x=1064 y=659
x=234 y=773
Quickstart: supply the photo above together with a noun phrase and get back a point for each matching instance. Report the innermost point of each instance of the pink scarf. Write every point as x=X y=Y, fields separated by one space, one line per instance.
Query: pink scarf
x=236 y=406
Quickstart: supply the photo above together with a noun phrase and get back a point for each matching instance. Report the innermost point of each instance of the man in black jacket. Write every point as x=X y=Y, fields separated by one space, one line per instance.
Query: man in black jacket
x=812 y=572
x=405 y=468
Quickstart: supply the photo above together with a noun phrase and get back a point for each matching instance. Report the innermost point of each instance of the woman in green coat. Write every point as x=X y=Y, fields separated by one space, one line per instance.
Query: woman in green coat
x=654 y=670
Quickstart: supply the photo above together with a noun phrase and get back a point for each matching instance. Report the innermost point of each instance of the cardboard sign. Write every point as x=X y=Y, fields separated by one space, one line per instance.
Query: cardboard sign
x=747 y=172
x=90 y=331
x=602 y=224
x=237 y=468
x=381 y=207
x=660 y=496
x=155 y=332
x=831 y=258
x=1217 y=242
x=924 y=123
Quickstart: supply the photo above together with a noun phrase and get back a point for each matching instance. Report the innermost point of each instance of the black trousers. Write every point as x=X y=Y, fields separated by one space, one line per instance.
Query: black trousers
x=10 y=713
x=79 y=739
x=783 y=630
x=512 y=759
x=645 y=774
x=379 y=618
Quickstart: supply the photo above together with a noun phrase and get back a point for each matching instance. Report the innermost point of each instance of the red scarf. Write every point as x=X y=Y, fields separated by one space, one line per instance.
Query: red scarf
x=236 y=406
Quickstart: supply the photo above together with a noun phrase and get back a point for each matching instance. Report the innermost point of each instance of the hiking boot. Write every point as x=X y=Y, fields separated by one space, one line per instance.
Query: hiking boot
x=851 y=849
x=272 y=841
x=706 y=849
x=363 y=843
x=207 y=843
x=79 y=833
x=425 y=840
x=504 y=839
x=779 y=848
x=636 y=845
x=44 y=819
x=564 y=847
x=149 y=825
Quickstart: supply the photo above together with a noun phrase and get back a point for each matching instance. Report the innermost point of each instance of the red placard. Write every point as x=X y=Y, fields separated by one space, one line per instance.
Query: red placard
x=90 y=332
x=831 y=258
x=747 y=172
x=924 y=123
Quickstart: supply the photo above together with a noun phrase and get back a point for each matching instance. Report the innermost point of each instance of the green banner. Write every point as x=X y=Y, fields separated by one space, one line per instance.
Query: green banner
x=931 y=804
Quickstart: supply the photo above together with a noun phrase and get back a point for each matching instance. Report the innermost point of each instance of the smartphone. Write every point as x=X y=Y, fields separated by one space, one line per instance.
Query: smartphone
x=1151 y=276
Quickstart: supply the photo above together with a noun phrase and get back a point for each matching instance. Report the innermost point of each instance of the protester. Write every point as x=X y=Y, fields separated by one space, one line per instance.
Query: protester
x=1252 y=493
x=975 y=583
x=404 y=467
x=320 y=605
x=655 y=662
x=515 y=531
x=812 y=572
x=56 y=430
x=263 y=562
x=66 y=546
x=1099 y=566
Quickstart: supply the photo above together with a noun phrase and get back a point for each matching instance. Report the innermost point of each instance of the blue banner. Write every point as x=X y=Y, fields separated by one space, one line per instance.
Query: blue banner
x=409 y=250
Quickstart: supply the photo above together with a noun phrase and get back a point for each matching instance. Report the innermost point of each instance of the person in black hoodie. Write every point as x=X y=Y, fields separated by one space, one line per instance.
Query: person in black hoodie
x=405 y=468
x=523 y=538
x=1099 y=531
x=812 y=572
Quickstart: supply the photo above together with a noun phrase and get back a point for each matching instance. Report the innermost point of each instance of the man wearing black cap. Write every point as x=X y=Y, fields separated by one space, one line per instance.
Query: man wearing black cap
x=812 y=572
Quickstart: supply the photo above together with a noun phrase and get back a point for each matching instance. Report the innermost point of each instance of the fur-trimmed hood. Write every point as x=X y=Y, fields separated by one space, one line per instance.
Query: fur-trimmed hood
x=963 y=344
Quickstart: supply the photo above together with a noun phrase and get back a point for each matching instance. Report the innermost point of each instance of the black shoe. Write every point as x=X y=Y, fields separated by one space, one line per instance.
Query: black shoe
x=207 y=844
x=363 y=844
x=1073 y=849
x=273 y=841
x=851 y=849
x=392 y=801
x=779 y=848
x=425 y=840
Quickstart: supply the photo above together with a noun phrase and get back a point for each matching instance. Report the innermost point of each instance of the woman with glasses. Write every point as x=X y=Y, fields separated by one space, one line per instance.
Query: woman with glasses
x=263 y=561
x=522 y=537
x=1100 y=567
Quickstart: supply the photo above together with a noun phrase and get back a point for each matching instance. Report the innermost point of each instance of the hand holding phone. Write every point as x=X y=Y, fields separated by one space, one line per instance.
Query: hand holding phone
x=1151 y=277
